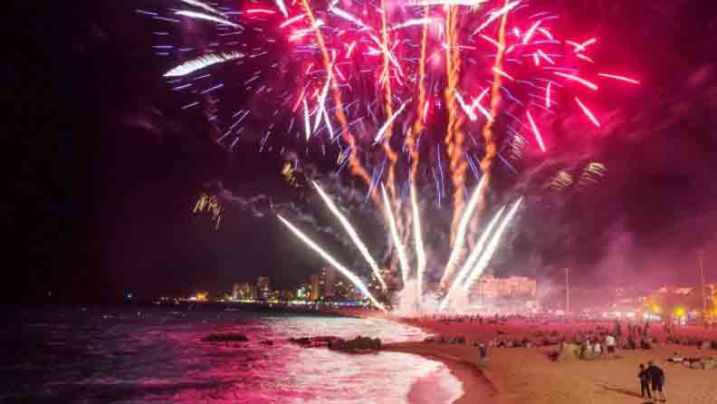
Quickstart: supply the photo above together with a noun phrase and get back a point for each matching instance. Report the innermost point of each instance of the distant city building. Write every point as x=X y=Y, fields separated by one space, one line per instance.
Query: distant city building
x=680 y=301
x=275 y=295
x=314 y=287
x=489 y=287
x=302 y=293
x=287 y=295
x=244 y=291
x=263 y=285
x=199 y=297
x=328 y=275
x=345 y=290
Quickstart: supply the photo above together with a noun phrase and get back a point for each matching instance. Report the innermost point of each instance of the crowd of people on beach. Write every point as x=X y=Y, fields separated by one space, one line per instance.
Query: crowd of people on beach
x=585 y=340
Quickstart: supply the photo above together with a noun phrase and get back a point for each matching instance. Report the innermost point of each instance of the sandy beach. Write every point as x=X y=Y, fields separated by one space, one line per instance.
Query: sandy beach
x=519 y=375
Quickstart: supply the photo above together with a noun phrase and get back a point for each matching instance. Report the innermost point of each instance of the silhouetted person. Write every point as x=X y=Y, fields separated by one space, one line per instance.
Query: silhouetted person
x=482 y=354
x=617 y=329
x=657 y=380
x=610 y=344
x=644 y=383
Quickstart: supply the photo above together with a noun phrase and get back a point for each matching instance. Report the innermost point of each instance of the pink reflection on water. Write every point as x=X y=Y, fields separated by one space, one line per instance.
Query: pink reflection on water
x=255 y=372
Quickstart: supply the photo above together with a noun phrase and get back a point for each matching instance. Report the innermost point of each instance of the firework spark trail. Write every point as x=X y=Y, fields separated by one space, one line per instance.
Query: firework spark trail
x=587 y=112
x=536 y=132
x=472 y=3
x=472 y=258
x=619 y=78
x=354 y=162
x=491 y=248
x=417 y=127
x=203 y=6
x=454 y=138
x=331 y=260
x=411 y=142
x=322 y=105
x=202 y=62
x=413 y=22
x=495 y=98
x=395 y=237
x=292 y=20
x=418 y=243
x=206 y=17
x=349 y=17
x=388 y=109
x=352 y=234
x=577 y=79
x=282 y=7
x=491 y=150
x=461 y=233
x=547 y=95
x=307 y=120
x=384 y=130
x=497 y=14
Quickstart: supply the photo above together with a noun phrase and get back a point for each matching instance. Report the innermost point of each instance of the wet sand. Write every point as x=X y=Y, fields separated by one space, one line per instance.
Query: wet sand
x=519 y=375
x=477 y=388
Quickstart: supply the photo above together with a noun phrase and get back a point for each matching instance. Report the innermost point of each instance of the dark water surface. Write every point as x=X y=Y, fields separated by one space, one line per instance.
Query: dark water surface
x=141 y=354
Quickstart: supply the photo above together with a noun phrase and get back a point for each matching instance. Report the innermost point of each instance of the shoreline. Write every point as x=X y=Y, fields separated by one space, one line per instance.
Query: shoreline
x=475 y=384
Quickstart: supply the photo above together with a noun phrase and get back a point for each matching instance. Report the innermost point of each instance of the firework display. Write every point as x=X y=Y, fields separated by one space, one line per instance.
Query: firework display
x=407 y=97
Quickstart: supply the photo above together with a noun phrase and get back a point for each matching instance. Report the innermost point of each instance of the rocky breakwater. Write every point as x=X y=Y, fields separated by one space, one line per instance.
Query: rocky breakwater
x=356 y=345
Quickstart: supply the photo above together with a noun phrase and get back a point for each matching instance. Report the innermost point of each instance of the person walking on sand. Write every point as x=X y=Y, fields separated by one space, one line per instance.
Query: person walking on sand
x=482 y=354
x=644 y=383
x=657 y=380
x=610 y=344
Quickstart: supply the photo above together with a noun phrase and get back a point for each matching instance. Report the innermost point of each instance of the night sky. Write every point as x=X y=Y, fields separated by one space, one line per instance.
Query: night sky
x=103 y=168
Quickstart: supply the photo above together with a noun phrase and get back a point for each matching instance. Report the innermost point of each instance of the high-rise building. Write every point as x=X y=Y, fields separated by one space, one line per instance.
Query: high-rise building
x=263 y=285
x=329 y=281
x=314 y=287
x=287 y=295
x=302 y=292
x=490 y=287
x=244 y=291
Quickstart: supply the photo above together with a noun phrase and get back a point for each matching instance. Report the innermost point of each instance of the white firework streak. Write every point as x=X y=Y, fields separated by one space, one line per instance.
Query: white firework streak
x=206 y=17
x=477 y=104
x=418 y=243
x=307 y=120
x=352 y=234
x=472 y=258
x=414 y=22
x=466 y=108
x=321 y=101
x=201 y=63
x=471 y=3
x=461 y=233
x=331 y=260
x=389 y=121
x=497 y=14
x=204 y=6
x=491 y=247
x=402 y=259
x=349 y=17
x=282 y=7
x=388 y=53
